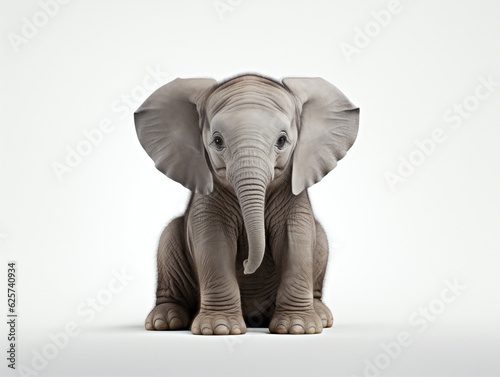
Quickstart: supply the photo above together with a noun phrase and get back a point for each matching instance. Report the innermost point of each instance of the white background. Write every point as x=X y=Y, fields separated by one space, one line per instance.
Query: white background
x=391 y=251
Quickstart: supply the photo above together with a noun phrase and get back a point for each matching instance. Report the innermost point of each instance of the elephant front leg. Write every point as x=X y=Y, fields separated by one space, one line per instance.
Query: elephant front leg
x=220 y=303
x=294 y=313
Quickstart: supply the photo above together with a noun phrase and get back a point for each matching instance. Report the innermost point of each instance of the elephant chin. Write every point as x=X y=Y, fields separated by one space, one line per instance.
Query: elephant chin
x=250 y=186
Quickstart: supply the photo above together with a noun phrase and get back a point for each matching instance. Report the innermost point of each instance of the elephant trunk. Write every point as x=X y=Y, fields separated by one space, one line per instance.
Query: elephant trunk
x=250 y=182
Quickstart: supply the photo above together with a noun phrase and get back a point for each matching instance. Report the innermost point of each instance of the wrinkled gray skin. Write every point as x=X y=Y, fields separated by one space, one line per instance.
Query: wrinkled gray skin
x=248 y=250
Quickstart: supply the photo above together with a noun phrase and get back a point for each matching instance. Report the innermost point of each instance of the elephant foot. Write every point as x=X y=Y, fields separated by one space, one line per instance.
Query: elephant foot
x=168 y=316
x=294 y=322
x=324 y=313
x=218 y=323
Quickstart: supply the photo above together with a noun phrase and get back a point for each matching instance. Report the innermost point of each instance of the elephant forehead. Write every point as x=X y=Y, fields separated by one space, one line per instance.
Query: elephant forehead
x=249 y=117
x=253 y=95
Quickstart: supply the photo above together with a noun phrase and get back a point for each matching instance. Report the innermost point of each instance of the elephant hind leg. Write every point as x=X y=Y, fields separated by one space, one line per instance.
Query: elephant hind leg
x=177 y=290
x=320 y=263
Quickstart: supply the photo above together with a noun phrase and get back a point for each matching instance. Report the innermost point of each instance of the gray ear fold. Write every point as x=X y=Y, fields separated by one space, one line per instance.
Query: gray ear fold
x=328 y=127
x=167 y=125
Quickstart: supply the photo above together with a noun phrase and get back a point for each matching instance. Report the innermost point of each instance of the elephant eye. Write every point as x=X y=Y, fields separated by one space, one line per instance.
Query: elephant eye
x=219 y=142
x=280 y=143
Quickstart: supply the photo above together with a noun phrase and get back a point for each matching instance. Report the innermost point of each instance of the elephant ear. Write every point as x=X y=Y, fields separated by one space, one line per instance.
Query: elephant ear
x=167 y=125
x=328 y=127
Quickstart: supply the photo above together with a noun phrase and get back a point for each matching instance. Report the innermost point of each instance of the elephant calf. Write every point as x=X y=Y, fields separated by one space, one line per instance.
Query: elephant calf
x=248 y=250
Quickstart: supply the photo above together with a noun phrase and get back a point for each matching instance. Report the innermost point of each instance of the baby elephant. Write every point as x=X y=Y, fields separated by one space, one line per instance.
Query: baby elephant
x=248 y=250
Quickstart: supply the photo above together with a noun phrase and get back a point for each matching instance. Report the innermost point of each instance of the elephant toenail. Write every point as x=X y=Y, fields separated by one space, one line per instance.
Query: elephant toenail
x=206 y=331
x=281 y=329
x=236 y=330
x=160 y=324
x=297 y=329
x=175 y=323
x=221 y=330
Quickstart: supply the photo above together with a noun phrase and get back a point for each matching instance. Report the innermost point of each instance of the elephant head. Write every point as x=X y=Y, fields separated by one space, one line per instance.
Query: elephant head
x=245 y=133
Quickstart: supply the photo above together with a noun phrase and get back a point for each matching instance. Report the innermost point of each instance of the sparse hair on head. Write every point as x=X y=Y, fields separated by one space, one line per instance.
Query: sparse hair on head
x=231 y=80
